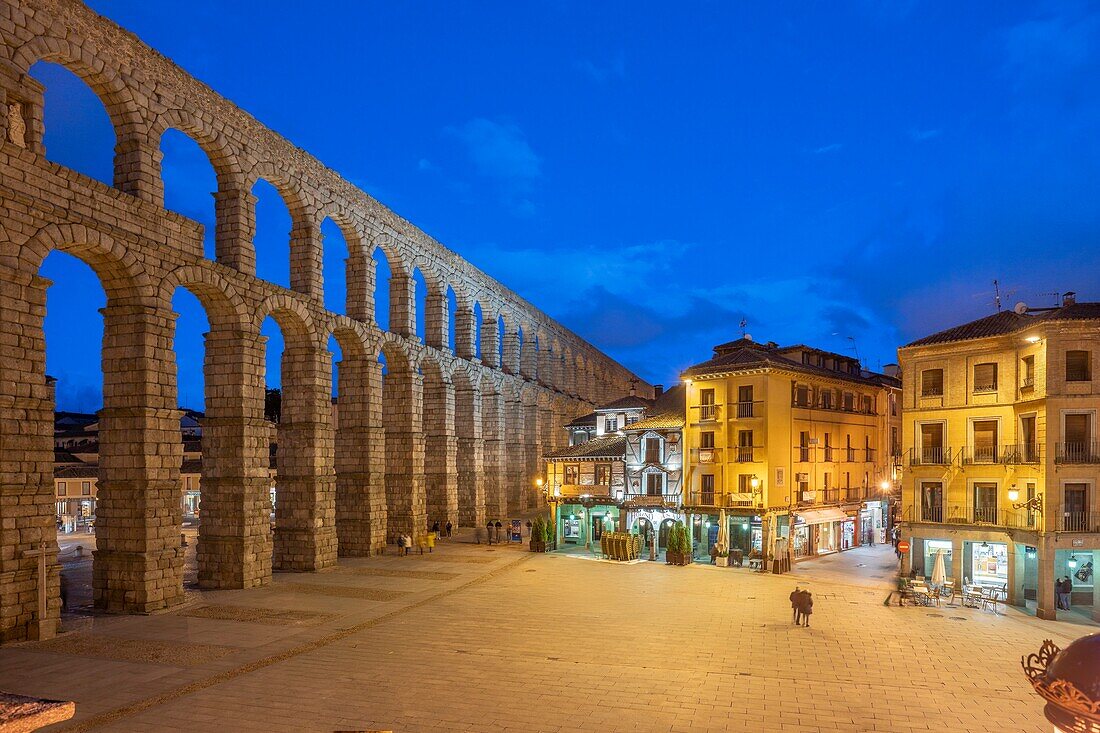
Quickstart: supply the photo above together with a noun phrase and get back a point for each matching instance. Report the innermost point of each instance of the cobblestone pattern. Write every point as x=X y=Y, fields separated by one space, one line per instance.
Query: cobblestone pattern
x=142 y=253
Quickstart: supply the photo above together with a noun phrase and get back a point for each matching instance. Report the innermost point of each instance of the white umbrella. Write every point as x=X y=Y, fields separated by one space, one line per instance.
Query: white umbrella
x=939 y=573
x=722 y=542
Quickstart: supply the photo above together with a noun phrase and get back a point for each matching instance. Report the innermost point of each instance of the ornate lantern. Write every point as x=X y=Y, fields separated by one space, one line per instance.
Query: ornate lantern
x=1069 y=680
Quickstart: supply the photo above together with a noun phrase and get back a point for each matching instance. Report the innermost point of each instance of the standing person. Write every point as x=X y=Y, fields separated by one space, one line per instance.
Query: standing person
x=431 y=542
x=1058 y=603
x=449 y=529
x=496 y=531
x=408 y=544
x=489 y=532
x=796 y=597
x=1066 y=588
x=400 y=544
x=435 y=529
x=807 y=607
x=477 y=534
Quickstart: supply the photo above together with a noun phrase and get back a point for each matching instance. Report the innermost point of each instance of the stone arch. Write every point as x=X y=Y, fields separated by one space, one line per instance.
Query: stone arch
x=358 y=270
x=223 y=305
x=221 y=152
x=305 y=228
x=294 y=320
x=119 y=271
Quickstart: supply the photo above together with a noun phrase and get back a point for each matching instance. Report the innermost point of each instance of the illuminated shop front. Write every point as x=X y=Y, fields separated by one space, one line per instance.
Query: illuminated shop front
x=989 y=563
x=818 y=531
x=581 y=522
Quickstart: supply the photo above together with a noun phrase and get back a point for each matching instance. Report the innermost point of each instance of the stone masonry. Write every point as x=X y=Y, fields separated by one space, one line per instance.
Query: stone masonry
x=434 y=436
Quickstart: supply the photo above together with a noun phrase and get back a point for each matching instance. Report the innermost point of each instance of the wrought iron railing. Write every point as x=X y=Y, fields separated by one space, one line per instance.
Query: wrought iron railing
x=1078 y=452
x=930 y=456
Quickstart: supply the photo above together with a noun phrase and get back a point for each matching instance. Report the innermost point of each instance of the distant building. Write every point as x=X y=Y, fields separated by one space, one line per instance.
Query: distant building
x=1002 y=456
x=795 y=443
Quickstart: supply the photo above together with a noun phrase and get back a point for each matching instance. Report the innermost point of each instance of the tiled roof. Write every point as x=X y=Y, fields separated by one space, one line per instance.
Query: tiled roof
x=629 y=402
x=606 y=446
x=660 y=421
x=1007 y=322
x=76 y=472
x=584 y=421
x=744 y=355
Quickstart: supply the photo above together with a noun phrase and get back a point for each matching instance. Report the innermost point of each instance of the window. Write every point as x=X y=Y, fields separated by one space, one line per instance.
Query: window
x=849 y=401
x=1030 y=512
x=827 y=399
x=985 y=441
x=865 y=404
x=893 y=405
x=985 y=502
x=931 y=383
x=1076 y=503
x=804 y=446
x=1029 y=440
x=744 y=446
x=611 y=424
x=828 y=447
x=985 y=377
x=654 y=484
x=652 y=450
x=1027 y=372
x=707 y=409
x=1078 y=366
x=1078 y=437
x=895 y=443
x=603 y=474
x=572 y=475
x=850 y=452
x=706 y=439
x=187 y=482
x=802 y=396
x=86 y=488
x=931 y=501
x=62 y=488
x=744 y=401
x=931 y=443
x=706 y=484
x=631 y=419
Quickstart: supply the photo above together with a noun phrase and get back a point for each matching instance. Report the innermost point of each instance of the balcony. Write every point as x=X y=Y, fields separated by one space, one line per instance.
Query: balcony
x=850 y=455
x=857 y=493
x=869 y=455
x=653 y=499
x=1080 y=522
x=707 y=413
x=743 y=453
x=706 y=456
x=746 y=409
x=969 y=515
x=930 y=456
x=720 y=499
x=1005 y=454
x=1027 y=382
x=1078 y=452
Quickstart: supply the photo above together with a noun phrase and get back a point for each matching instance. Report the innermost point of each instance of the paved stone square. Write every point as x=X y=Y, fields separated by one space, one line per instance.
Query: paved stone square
x=546 y=643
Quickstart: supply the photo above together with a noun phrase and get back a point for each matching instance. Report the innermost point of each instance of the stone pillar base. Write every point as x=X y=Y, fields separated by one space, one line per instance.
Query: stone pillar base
x=137 y=582
x=230 y=563
x=304 y=550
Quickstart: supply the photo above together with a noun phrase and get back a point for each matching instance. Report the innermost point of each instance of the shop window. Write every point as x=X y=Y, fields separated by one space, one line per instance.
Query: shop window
x=931 y=383
x=990 y=563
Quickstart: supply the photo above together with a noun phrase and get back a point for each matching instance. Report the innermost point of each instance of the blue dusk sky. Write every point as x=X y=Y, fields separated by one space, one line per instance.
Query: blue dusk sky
x=848 y=175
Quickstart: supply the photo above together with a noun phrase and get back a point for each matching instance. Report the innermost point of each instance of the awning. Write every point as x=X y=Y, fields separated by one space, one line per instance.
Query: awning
x=821 y=516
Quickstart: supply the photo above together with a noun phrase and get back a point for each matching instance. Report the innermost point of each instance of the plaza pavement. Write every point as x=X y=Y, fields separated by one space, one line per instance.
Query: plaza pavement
x=477 y=639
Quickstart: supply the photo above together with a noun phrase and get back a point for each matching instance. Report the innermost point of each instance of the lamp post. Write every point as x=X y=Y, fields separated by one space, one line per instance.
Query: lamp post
x=1034 y=504
x=1069 y=680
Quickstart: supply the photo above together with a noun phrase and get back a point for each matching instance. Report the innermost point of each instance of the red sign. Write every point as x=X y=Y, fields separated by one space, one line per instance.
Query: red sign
x=903 y=546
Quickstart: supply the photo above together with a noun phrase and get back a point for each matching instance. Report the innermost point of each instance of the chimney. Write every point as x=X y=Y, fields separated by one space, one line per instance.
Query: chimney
x=658 y=390
x=892 y=370
x=1069 y=298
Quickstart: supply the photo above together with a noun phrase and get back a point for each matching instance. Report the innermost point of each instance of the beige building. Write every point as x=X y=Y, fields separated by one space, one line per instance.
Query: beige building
x=1002 y=461
x=796 y=443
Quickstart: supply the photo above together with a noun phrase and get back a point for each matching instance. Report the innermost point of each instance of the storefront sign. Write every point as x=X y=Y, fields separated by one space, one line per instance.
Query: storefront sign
x=517 y=530
x=903 y=546
x=1078 y=543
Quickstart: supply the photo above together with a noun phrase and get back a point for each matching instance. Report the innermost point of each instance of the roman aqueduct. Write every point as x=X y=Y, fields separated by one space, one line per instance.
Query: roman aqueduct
x=441 y=436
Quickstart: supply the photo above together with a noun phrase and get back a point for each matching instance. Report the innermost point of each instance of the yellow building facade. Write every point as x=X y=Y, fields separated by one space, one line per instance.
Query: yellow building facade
x=1001 y=464
x=796 y=444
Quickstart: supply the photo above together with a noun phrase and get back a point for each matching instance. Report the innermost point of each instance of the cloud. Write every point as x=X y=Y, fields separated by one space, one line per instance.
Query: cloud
x=498 y=150
x=831 y=148
x=1050 y=46
x=921 y=135
x=425 y=165
x=616 y=69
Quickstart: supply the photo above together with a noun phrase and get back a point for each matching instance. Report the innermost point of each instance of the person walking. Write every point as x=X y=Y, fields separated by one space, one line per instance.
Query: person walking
x=807 y=607
x=449 y=526
x=796 y=596
x=408 y=544
x=431 y=542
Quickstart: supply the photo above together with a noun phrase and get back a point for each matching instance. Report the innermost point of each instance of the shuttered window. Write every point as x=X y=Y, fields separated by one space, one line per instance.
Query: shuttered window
x=985 y=377
x=931 y=383
x=1078 y=366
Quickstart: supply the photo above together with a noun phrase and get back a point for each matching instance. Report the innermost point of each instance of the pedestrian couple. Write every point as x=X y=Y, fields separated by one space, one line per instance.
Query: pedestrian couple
x=404 y=544
x=1063 y=592
x=802 y=605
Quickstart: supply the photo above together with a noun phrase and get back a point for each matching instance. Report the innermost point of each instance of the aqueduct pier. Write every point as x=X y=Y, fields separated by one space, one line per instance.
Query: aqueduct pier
x=424 y=441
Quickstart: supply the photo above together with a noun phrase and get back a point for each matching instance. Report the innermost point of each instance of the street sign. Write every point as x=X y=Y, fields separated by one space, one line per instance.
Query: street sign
x=903 y=546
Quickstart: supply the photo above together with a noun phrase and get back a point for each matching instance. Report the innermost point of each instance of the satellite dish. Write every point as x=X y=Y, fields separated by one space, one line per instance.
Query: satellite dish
x=1020 y=307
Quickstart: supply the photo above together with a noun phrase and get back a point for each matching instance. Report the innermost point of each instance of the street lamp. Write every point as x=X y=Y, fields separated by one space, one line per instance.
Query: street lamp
x=1035 y=503
x=754 y=482
x=885 y=486
x=1069 y=680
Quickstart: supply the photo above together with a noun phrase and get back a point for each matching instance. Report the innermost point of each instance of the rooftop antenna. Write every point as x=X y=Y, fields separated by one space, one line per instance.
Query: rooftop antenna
x=855 y=348
x=744 y=324
x=1055 y=295
x=997 y=295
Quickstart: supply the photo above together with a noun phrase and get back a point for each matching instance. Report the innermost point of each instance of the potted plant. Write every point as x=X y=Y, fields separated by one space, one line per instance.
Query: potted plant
x=541 y=532
x=678 y=549
x=722 y=559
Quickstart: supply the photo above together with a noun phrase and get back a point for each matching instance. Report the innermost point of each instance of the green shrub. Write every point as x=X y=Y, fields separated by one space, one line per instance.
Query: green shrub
x=678 y=539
